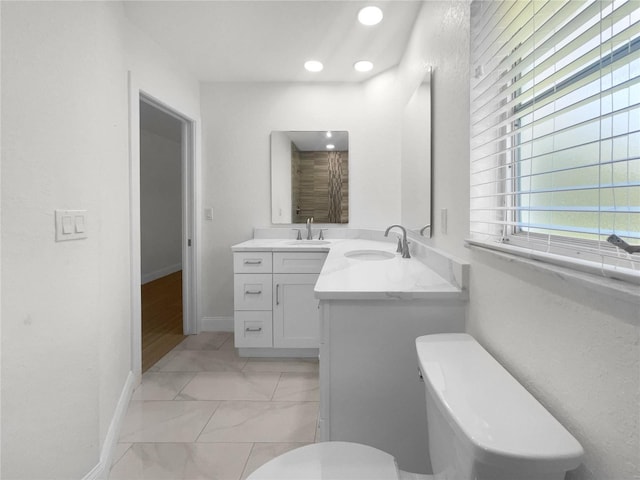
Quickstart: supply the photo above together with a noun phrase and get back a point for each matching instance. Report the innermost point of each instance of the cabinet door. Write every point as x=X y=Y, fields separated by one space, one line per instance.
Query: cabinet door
x=296 y=317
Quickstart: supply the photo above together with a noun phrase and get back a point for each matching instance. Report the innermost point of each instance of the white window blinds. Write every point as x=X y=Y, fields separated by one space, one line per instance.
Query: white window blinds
x=555 y=130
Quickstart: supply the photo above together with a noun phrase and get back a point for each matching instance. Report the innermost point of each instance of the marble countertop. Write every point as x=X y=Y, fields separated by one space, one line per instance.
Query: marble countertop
x=284 y=245
x=345 y=278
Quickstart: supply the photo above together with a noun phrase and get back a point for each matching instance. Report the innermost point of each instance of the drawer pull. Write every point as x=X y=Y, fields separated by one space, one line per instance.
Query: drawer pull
x=253 y=262
x=253 y=292
x=253 y=329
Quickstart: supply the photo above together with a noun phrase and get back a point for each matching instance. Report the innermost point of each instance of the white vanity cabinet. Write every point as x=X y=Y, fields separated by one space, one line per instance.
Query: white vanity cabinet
x=274 y=304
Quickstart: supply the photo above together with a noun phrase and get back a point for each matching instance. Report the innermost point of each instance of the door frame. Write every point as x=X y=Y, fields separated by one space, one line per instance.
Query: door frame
x=190 y=273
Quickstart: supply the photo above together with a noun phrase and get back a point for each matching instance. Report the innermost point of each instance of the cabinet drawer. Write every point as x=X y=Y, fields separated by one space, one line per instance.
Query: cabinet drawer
x=252 y=262
x=253 y=329
x=298 y=262
x=252 y=291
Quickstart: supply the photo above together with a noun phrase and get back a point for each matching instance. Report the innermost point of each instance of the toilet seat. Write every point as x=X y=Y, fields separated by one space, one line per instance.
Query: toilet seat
x=330 y=461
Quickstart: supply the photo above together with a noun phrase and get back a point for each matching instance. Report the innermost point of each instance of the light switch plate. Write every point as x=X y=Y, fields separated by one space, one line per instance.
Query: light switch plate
x=71 y=225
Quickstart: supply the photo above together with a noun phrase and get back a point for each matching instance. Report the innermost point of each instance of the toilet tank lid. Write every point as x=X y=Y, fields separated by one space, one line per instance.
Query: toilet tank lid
x=489 y=410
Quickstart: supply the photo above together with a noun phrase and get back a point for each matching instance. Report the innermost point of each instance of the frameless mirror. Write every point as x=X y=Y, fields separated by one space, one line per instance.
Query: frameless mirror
x=310 y=176
x=416 y=188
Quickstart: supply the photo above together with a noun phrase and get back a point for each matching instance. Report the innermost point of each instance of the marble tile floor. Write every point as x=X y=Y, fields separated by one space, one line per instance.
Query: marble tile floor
x=203 y=412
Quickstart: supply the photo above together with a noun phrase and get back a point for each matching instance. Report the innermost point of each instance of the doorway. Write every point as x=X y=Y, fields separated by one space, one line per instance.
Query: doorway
x=163 y=269
x=160 y=232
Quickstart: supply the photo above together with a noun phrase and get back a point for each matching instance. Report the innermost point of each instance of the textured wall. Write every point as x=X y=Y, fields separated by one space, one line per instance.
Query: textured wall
x=575 y=349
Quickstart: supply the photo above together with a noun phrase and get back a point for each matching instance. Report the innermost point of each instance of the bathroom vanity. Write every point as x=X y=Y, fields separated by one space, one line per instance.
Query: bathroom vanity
x=371 y=314
x=275 y=310
x=363 y=305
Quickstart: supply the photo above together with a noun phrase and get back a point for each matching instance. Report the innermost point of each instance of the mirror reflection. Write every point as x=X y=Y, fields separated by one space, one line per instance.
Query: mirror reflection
x=416 y=187
x=310 y=176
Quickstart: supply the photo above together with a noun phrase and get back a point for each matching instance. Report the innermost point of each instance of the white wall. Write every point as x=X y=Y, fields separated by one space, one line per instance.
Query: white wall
x=160 y=206
x=238 y=119
x=577 y=351
x=67 y=307
x=64 y=145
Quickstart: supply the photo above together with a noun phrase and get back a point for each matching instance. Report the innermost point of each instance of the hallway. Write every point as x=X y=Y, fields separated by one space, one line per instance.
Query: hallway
x=203 y=412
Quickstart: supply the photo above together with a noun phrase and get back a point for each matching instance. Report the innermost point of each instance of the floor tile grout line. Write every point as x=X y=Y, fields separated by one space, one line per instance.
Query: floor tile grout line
x=193 y=376
x=275 y=389
x=113 y=464
x=207 y=422
x=230 y=337
x=246 y=462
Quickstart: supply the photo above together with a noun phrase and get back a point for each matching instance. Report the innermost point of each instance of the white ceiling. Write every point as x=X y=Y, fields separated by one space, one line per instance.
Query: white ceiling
x=269 y=41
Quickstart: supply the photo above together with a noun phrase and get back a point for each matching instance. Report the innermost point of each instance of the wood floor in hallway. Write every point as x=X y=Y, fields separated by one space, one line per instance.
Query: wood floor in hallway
x=161 y=318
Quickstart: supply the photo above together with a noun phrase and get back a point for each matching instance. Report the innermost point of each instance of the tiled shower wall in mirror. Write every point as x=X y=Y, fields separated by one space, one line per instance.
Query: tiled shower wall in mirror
x=320 y=186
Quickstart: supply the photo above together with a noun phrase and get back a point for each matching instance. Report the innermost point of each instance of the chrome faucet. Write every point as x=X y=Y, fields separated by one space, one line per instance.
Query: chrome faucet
x=404 y=246
x=309 y=232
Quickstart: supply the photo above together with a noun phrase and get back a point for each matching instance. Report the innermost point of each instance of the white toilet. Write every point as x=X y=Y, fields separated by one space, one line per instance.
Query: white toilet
x=482 y=425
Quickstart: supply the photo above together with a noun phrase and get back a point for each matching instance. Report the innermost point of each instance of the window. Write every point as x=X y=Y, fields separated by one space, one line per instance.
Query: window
x=555 y=130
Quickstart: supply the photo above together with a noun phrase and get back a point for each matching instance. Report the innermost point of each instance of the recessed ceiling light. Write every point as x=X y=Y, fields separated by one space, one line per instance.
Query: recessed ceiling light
x=313 y=66
x=363 y=66
x=370 y=15
x=329 y=135
x=331 y=146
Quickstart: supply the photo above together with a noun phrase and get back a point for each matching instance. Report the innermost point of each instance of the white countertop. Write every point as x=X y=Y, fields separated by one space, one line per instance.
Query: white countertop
x=284 y=245
x=344 y=278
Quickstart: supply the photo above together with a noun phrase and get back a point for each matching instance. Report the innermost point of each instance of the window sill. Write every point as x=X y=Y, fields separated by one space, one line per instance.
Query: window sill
x=626 y=289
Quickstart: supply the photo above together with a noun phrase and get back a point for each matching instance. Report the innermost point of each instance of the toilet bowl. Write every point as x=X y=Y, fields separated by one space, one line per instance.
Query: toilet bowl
x=482 y=425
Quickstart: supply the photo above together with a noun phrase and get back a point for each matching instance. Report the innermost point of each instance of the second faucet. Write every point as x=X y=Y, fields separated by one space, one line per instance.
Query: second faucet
x=404 y=246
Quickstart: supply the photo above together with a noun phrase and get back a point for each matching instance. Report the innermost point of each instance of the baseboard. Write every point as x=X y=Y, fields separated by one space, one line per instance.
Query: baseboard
x=163 y=272
x=279 y=352
x=101 y=470
x=216 y=324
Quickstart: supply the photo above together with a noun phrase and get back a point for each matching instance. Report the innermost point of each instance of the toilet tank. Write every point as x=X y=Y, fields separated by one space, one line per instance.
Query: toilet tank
x=482 y=423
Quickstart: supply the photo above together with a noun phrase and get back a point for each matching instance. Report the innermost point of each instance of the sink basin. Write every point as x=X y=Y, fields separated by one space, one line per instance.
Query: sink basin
x=369 y=255
x=309 y=242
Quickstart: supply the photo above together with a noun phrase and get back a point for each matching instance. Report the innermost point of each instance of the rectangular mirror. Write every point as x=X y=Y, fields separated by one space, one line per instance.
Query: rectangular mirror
x=310 y=177
x=416 y=187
